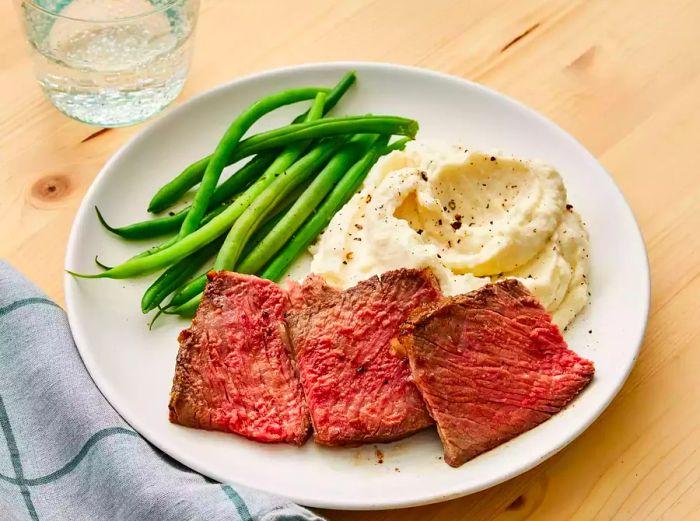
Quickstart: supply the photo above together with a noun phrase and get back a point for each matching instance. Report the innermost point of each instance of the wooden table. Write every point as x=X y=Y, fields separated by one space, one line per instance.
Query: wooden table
x=623 y=76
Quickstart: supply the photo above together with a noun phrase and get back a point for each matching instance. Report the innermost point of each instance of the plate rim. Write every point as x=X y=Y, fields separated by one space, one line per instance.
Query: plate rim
x=107 y=390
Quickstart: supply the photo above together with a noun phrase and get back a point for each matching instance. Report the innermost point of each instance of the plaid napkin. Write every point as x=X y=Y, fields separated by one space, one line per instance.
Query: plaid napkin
x=65 y=454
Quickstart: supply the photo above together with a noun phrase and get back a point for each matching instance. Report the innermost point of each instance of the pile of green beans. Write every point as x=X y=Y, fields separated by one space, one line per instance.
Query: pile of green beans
x=261 y=218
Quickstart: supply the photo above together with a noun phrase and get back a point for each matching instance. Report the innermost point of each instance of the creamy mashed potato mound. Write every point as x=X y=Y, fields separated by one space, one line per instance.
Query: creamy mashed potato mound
x=471 y=217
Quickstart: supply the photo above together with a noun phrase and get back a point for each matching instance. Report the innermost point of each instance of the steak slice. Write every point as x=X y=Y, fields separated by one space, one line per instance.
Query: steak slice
x=490 y=365
x=357 y=389
x=234 y=370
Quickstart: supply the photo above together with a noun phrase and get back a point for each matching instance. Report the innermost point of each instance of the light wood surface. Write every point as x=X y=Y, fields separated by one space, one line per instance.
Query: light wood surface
x=623 y=76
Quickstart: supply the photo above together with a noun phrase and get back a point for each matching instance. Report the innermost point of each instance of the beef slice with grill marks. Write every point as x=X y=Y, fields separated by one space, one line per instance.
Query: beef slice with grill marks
x=357 y=389
x=234 y=371
x=490 y=365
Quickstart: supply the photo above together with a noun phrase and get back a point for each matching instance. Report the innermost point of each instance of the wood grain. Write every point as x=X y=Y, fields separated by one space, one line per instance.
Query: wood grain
x=622 y=76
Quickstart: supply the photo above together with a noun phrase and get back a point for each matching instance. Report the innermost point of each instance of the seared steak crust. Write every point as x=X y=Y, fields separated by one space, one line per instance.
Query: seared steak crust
x=490 y=365
x=357 y=389
x=234 y=370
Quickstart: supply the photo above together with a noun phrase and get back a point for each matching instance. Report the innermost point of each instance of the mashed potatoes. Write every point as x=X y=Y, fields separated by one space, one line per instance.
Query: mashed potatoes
x=470 y=217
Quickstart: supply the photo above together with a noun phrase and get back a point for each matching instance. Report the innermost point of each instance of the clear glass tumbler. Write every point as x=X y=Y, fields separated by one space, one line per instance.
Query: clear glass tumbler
x=110 y=63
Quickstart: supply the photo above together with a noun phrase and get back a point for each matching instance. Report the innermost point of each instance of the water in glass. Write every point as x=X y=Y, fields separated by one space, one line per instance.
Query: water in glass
x=111 y=62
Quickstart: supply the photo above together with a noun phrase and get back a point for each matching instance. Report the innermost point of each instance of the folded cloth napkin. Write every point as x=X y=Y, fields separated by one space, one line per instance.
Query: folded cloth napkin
x=65 y=454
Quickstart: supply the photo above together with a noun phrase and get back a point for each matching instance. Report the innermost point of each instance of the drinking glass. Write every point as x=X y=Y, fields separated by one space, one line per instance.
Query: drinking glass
x=110 y=63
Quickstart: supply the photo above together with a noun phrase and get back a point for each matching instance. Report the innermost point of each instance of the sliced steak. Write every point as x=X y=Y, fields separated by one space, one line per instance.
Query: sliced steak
x=357 y=389
x=490 y=365
x=234 y=370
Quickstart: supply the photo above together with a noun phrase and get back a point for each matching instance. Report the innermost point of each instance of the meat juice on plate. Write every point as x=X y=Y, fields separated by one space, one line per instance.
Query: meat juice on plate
x=112 y=72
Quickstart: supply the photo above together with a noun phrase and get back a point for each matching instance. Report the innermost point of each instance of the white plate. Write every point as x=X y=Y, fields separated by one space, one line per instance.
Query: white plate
x=134 y=367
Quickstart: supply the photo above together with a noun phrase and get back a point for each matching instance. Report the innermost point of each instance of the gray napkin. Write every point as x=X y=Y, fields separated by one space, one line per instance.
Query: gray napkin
x=65 y=454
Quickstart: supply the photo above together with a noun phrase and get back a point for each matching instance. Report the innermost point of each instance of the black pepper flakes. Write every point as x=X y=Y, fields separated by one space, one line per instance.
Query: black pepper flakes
x=423 y=175
x=452 y=204
x=458 y=217
x=569 y=207
x=439 y=221
x=358 y=226
x=456 y=225
x=419 y=231
x=368 y=199
x=493 y=158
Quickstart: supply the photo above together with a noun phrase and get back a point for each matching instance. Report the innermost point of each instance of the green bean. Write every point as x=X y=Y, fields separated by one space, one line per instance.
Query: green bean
x=192 y=175
x=187 y=292
x=171 y=223
x=273 y=218
x=399 y=144
x=176 y=275
x=266 y=227
x=334 y=95
x=189 y=308
x=138 y=266
x=340 y=195
x=327 y=127
x=100 y=264
x=243 y=178
x=229 y=143
x=144 y=229
x=167 y=244
x=306 y=203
